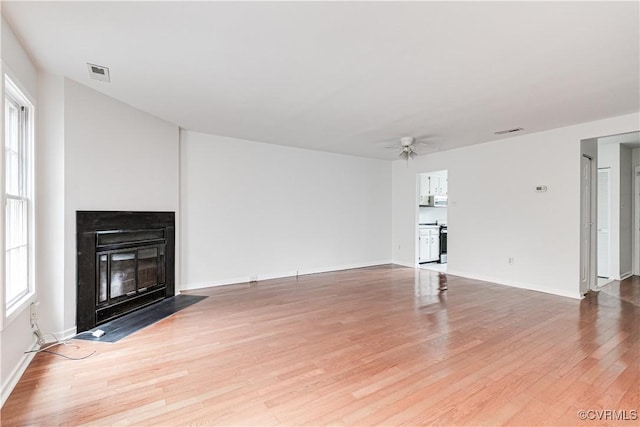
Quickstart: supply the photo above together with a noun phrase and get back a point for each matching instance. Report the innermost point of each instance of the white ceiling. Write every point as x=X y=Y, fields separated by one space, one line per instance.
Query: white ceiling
x=348 y=77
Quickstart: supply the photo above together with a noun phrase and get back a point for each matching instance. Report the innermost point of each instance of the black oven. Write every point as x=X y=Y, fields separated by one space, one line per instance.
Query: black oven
x=443 y=245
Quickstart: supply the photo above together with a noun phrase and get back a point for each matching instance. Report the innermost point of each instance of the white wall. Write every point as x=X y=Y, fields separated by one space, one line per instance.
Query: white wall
x=494 y=212
x=50 y=202
x=17 y=63
x=116 y=157
x=16 y=337
x=431 y=215
x=250 y=208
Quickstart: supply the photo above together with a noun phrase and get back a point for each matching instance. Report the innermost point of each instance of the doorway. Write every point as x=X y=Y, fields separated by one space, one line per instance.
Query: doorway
x=616 y=163
x=610 y=199
x=433 y=232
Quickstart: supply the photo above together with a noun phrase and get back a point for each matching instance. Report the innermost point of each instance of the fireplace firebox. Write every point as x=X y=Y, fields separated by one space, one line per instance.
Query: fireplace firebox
x=125 y=261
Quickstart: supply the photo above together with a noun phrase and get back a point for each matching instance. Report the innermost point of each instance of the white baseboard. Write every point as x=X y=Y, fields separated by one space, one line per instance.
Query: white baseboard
x=520 y=285
x=280 y=275
x=342 y=267
x=403 y=264
x=67 y=334
x=20 y=369
x=625 y=275
x=16 y=374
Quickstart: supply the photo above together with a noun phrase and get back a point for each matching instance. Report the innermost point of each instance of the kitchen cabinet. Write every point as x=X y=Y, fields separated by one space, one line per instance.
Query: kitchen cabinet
x=429 y=244
x=438 y=185
x=444 y=185
x=434 y=245
x=424 y=247
x=424 y=185
x=431 y=187
x=434 y=185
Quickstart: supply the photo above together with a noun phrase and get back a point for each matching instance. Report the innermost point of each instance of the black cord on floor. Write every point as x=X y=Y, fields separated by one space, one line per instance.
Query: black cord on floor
x=69 y=357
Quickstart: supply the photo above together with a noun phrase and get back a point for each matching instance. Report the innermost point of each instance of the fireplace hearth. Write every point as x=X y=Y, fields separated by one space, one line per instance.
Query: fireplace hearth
x=125 y=261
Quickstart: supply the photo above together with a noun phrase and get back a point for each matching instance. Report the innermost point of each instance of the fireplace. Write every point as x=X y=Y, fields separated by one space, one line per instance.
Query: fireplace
x=125 y=261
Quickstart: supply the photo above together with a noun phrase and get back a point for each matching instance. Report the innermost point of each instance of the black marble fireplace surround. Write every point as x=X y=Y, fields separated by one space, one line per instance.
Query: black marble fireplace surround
x=125 y=261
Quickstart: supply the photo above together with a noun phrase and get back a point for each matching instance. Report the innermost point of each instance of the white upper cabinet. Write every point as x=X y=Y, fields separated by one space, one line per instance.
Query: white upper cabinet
x=424 y=185
x=433 y=185
x=436 y=185
x=444 y=185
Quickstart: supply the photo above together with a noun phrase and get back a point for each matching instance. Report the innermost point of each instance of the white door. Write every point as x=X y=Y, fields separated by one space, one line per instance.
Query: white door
x=586 y=224
x=604 y=217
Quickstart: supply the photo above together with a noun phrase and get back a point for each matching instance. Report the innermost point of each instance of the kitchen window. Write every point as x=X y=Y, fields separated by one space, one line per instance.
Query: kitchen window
x=18 y=183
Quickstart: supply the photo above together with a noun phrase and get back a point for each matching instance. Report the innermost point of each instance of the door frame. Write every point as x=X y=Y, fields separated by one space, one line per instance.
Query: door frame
x=636 y=220
x=588 y=212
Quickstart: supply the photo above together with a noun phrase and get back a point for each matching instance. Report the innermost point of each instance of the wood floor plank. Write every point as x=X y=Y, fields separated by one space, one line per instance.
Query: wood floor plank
x=373 y=346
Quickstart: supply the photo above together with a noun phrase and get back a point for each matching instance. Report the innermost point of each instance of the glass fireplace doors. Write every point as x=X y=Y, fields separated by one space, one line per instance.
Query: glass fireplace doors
x=129 y=272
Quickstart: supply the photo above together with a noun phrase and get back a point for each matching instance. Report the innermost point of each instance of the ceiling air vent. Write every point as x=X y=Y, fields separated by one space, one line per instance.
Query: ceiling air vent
x=98 y=72
x=502 y=132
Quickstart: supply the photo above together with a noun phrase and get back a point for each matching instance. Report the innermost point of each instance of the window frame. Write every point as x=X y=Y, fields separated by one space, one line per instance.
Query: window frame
x=14 y=93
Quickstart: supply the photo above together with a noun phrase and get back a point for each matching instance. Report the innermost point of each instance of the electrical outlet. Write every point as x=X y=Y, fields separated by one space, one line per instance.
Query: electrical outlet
x=33 y=312
x=510 y=260
x=39 y=336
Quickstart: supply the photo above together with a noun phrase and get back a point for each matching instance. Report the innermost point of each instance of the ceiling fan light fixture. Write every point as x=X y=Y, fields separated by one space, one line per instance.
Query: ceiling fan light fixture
x=406 y=141
x=407 y=148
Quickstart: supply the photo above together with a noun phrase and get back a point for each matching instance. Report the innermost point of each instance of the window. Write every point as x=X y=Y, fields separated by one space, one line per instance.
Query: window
x=18 y=238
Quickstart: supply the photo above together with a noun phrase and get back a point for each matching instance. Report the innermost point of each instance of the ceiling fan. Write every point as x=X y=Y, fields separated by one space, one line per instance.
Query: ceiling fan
x=408 y=148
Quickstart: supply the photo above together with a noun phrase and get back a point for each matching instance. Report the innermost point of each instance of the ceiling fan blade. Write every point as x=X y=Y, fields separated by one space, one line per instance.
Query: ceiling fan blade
x=424 y=136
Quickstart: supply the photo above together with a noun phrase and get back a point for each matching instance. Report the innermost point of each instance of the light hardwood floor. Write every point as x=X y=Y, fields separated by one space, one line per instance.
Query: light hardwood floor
x=372 y=346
